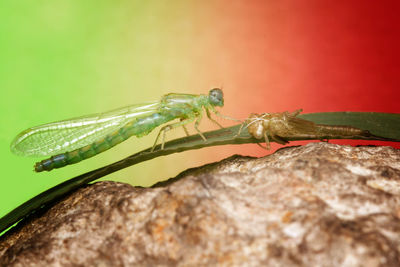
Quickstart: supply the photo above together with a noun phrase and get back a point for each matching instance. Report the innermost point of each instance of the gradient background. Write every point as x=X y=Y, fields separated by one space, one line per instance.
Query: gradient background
x=62 y=58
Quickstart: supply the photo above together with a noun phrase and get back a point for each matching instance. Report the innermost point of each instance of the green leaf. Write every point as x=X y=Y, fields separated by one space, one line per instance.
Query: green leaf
x=385 y=125
x=382 y=124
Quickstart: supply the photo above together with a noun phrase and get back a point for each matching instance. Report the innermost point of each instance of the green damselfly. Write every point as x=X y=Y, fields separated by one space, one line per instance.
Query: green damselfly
x=74 y=140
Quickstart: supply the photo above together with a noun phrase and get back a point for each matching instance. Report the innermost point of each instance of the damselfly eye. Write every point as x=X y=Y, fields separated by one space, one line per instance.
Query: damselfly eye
x=216 y=97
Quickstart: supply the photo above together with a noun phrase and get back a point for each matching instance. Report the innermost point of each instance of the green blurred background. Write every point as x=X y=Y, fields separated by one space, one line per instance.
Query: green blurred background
x=62 y=59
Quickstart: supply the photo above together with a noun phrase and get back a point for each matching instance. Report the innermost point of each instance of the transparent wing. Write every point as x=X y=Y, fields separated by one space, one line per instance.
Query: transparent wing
x=67 y=135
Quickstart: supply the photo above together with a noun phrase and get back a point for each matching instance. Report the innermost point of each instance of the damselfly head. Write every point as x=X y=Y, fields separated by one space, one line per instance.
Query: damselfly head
x=216 y=97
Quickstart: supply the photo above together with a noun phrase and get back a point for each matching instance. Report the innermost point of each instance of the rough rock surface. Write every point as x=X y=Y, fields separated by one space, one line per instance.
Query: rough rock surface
x=315 y=205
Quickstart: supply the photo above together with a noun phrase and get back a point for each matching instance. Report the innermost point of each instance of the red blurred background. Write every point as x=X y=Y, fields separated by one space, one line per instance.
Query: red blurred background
x=316 y=55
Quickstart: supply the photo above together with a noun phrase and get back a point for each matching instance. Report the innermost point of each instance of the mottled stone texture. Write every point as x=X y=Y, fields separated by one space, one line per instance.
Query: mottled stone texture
x=315 y=205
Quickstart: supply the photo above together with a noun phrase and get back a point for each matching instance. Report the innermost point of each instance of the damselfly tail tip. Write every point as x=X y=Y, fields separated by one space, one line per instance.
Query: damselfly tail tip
x=38 y=167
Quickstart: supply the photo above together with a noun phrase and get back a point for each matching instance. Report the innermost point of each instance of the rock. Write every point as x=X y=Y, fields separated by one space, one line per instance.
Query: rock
x=314 y=205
